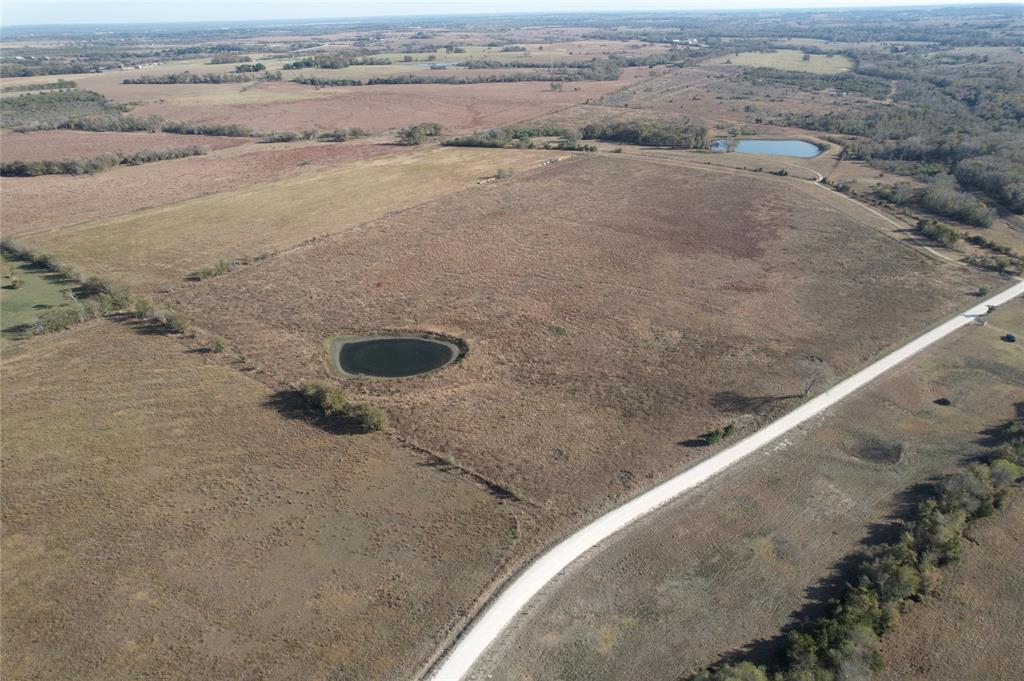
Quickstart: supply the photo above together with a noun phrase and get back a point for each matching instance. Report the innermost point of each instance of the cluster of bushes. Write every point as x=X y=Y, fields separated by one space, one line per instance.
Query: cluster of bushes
x=995 y=263
x=327 y=61
x=228 y=58
x=187 y=77
x=944 y=234
x=60 y=84
x=942 y=198
x=595 y=69
x=95 y=165
x=40 y=110
x=843 y=643
x=868 y=86
x=939 y=198
x=598 y=71
x=684 y=134
x=331 y=402
x=225 y=266
x=418 y=134
x=94 y=297
x=513 y=136
x=999 y=178
x=340 y=135
x=718 y=434
x=211 y=129
x=250 y=68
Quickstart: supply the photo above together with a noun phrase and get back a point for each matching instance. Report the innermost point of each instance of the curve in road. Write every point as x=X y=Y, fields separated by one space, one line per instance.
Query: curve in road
x=500 y=612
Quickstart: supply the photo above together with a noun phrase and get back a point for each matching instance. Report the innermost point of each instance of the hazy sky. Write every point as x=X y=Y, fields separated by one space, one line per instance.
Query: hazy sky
x=14 y=12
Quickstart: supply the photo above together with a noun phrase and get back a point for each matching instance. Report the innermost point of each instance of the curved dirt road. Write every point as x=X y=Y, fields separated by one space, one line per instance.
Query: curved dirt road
x=486 y=627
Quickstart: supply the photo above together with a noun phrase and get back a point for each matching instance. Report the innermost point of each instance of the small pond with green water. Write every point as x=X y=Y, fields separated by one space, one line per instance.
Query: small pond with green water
x=392 y=356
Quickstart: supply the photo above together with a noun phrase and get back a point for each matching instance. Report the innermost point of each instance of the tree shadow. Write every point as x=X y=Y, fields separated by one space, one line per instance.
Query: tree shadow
x=768 y=650
x=292 y=405
x=693 y=442
x=733 y=401
x=994 y=435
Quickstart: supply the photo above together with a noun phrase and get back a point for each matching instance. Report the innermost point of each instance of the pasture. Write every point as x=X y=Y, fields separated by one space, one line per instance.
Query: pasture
x=161 y=246
x=602 y=338
x=718 y=573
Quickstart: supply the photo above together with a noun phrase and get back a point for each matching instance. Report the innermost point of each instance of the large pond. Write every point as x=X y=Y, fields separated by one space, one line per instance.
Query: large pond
x=795 y=148
x=392 y=356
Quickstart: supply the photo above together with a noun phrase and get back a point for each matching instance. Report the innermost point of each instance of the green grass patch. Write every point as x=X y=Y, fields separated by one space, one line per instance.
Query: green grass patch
x=29 y=292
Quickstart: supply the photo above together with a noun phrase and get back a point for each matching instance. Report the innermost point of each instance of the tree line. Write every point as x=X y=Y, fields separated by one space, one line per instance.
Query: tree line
x=327 y=61
x=187 y=77
x=97 y=164
x=843 y=643
x=59 y=84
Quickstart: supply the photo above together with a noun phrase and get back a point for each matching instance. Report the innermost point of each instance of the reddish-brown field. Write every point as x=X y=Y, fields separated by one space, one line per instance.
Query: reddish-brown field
x=52 y=145
x=382 y=107
x=32 y=204
x=614 y=308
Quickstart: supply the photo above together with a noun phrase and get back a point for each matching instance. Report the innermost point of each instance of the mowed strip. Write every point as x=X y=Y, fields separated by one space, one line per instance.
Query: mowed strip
x=152 y=248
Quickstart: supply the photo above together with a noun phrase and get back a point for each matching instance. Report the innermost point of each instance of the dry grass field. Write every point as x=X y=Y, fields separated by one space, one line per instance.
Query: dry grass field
x=789 y=60
x=160 y=246
x=77 y=144
x=382 y=107
x=720 y=571
x=601 y=336
x=162 y=519
x=33 y=204
x=171 y=511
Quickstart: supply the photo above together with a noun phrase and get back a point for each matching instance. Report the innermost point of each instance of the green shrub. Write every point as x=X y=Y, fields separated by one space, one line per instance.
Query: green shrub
x=368 y=417
x=176 y=323
x=715 y=436
x=327 y=397
x=56 y=319
x=143 y=309
x=218 y=345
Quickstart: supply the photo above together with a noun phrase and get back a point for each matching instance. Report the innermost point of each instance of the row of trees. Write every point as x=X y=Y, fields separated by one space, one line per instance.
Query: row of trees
x=843 y=643
x=330 y=402
x=418 y=134
x=187 y=77
x=339 y=135
x=414 y=79
x=681 y=134
x=941 y=198
x=59 y=84
x=41 y=110
x=517 y=136
x=328 y=61
x=229 y=58
x=95 y=165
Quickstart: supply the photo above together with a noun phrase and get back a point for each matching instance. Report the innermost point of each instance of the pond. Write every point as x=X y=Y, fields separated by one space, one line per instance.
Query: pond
x=795 y=148
x=392 y=356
